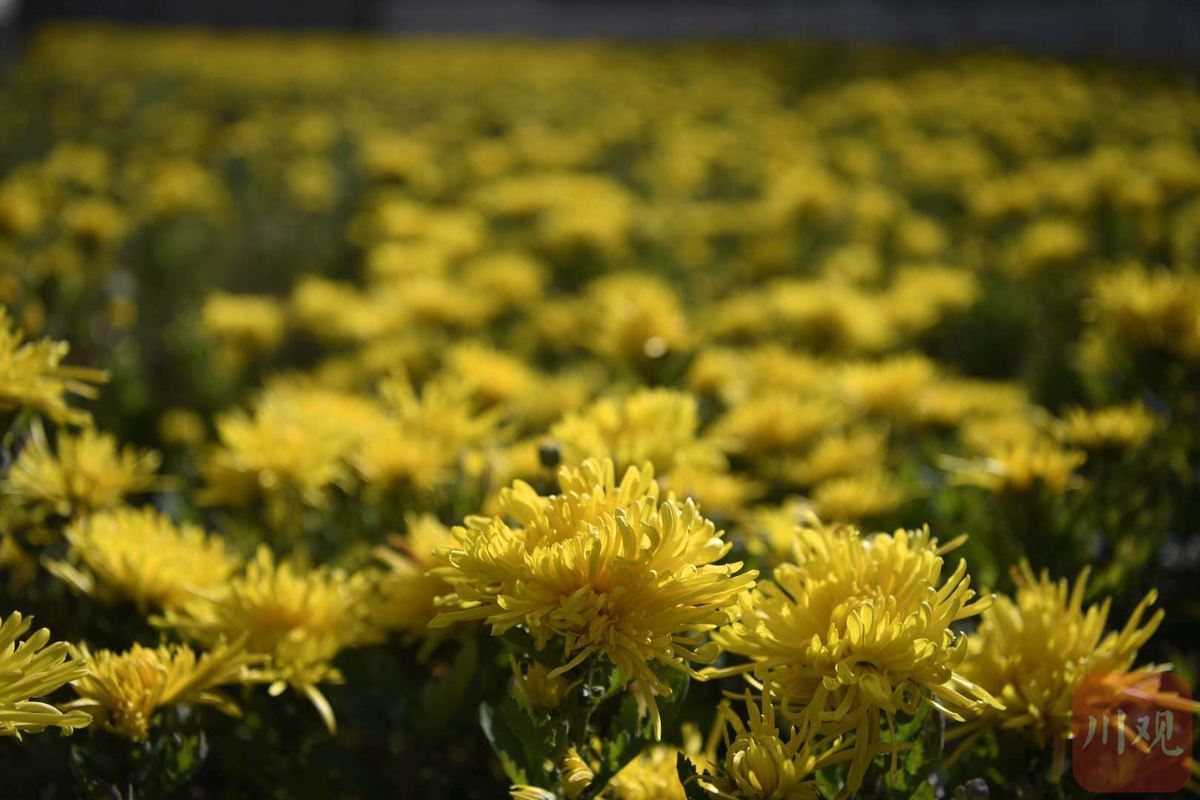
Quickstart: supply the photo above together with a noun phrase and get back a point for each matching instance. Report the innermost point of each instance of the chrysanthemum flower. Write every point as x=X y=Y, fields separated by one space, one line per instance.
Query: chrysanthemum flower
x=858 y=630
x=659 y=426
x=141 y=555
x=299 y=619
x=891 y=387
x=86 y=471
x=998 y=432
x=495 y=376
x=775 y=424
x=1021 y=468
x=34 y=668
x=1032 y=650
x=542 y=690
x=607 y=568
x=638 y=318
x=249 y=323
x=1107 y=428
x=122 y=691
x=837 y=455
x=295 y=439
x=574 y=774
x=653 y=775
x=405 y=593
x=32 y=376
x=852 y=498
x=1157 y=308
x=423 y=433
x=761 y=764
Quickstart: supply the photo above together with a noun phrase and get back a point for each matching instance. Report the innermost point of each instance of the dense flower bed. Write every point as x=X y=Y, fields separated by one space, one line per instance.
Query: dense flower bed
x=445 y=418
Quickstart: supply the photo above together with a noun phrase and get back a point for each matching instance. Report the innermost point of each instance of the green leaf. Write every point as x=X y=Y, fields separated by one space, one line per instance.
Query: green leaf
x=627 y=736
x=689 y=779
x=442 y=699
x=504 y=743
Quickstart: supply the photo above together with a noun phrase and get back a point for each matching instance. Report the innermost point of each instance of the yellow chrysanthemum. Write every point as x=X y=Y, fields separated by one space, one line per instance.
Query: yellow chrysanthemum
x=406 y=591
x=1106 y=428
x=34 y=668
x=542 y=690
x=32 y=376
x=984 y=434
x=857 y=630
x=1158 y=308
x=659 y=426
x=604 y=566
x=424 y=433
x=637 y=318
x=1021 y=468
x=299 y=619
x=857 y=497
x=891 y=388
x=182 y=426
x=574 y=774
x=760 y=764
x=250 y=323
x=837 y=455
x=495 y=376
x=776 y=424
x=86 y=471
x=295 y=439
x=141 y=555
x=122 y=691
x=653 y=775
x=1032 y=650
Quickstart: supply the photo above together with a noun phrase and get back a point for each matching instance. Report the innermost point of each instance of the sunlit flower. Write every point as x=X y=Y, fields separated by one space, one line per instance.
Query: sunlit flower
x=123 y=691
x=423 y=433
x=1021 y=468
x=892 y=387
x=651 y=776
x=1032 y=650
x=85 y=471
x=250 y=323
x=762 y=763
x=659 y=426
x=32 y=668
x=860 y=496
x=406 y=591
x=856 y=631
x=299 y=619
x=837 y=455
x=604 y=567
x=775 y=424
x=141 y=555
x=32 y=376
x=1106 y=428
x=1155 y=308
x=637 y=318
x=574 y=774
x=182 y=427
x=539 y=688
x=295 y=439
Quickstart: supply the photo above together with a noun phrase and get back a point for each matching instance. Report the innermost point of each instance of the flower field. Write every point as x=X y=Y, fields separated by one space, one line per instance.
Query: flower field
x=474 y=419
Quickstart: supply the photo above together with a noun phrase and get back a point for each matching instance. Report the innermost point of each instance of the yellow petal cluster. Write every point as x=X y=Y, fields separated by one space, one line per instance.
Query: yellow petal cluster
x=604 y=568
x=32 y=376
x=32 y=668
x=122 y=691
x=141 y=555
x=1032 y=649
x=857 y=630
x=299 y=619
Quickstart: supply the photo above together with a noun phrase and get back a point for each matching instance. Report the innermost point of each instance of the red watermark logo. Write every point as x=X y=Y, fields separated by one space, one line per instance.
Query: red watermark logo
x=1132 y=732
